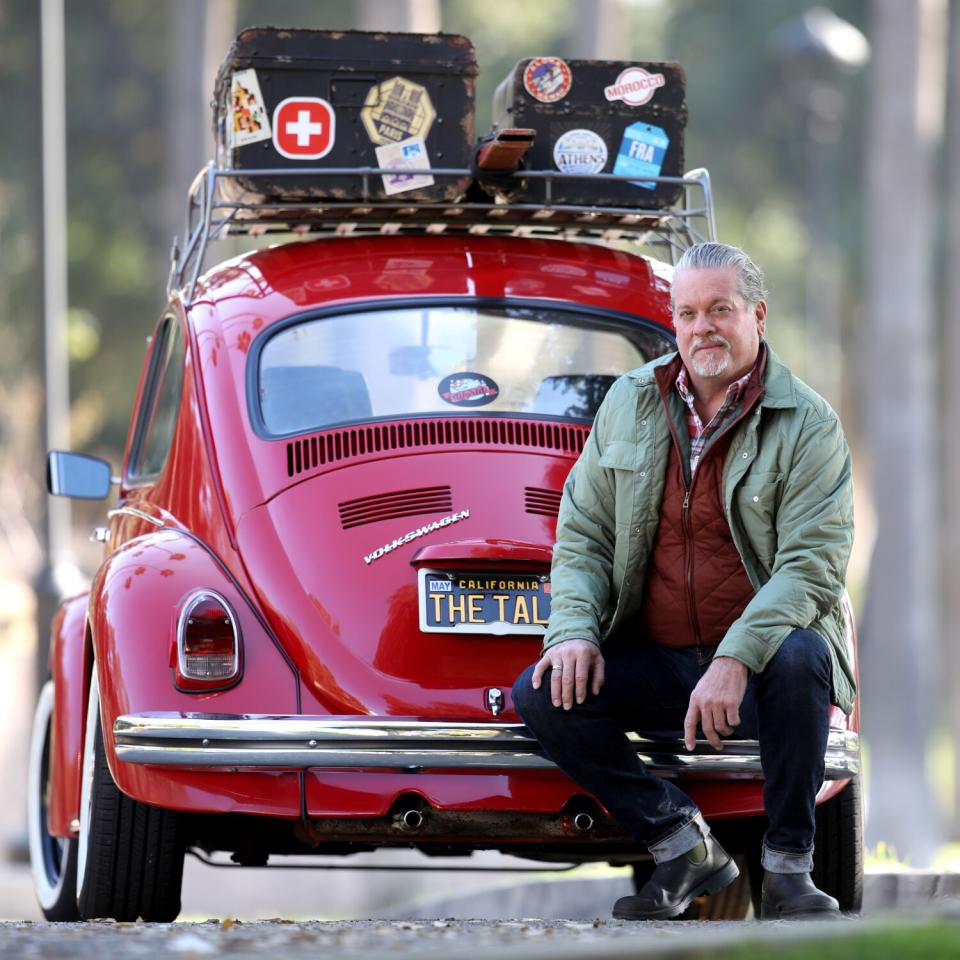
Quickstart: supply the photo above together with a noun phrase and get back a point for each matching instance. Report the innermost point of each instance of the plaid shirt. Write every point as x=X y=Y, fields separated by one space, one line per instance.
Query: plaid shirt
x=700 y=434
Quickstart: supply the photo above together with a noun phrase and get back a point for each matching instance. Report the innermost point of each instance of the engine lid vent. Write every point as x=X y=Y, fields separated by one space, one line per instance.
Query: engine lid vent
x=397 y=503
x=370 y=441
x=544 y=502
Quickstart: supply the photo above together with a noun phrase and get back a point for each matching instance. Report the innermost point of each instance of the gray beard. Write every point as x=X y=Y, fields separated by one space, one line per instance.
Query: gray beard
x=710 y=365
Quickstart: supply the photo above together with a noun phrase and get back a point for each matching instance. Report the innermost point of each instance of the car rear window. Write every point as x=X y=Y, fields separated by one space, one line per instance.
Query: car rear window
x=434 y=359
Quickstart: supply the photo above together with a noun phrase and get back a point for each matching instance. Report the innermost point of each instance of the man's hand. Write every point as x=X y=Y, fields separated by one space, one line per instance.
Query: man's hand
x=572 y=662
x=715 y=702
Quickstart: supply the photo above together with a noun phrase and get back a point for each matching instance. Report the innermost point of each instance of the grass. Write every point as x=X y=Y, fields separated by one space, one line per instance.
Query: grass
x=938 y=940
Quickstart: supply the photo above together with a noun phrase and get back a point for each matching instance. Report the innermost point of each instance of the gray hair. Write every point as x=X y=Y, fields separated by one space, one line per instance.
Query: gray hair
x=709 y=256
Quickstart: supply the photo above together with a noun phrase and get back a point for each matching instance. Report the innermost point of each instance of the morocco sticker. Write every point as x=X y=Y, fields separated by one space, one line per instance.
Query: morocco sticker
x=635 y=86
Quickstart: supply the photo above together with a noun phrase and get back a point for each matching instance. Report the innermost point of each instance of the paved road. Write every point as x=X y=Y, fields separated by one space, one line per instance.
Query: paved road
x=453 y=939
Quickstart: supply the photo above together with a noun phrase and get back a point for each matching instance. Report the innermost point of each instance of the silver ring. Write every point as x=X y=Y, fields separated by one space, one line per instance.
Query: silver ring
x=558 y=666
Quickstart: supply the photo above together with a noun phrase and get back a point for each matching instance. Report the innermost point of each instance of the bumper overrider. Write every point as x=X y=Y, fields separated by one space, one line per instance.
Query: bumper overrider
x=300 y=742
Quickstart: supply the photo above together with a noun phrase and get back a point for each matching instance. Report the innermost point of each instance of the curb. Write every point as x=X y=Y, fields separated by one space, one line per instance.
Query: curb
x=585 y=899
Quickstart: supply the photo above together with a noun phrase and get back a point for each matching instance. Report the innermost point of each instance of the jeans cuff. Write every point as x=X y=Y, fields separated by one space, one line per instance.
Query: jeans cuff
x=684 y=838
x=783 y=861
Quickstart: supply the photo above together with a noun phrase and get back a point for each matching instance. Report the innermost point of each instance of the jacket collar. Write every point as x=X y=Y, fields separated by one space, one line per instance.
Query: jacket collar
x=778 y=388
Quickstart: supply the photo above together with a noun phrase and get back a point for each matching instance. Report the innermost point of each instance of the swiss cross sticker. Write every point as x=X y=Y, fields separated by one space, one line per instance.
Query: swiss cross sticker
x=303 y=128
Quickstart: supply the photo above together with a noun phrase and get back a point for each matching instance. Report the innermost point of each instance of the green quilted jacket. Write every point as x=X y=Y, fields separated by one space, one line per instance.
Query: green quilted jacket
x=788 y=497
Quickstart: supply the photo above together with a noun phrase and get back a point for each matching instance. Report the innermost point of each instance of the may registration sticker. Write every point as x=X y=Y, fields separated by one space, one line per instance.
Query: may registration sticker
x=478 y=602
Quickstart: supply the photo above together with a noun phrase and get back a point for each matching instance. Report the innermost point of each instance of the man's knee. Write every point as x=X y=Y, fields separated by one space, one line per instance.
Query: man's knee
x=528 y=701
x=801 y=655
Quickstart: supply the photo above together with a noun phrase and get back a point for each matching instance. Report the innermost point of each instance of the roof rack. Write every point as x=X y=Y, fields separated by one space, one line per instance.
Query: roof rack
x=211 y=215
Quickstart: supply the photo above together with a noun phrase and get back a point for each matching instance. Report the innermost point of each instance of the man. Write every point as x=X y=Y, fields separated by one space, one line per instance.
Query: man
x=703 y=540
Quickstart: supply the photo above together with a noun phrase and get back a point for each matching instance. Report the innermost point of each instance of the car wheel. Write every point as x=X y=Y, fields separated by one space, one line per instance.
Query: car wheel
x=130 y=855
x=838 y=847
x=53 y=860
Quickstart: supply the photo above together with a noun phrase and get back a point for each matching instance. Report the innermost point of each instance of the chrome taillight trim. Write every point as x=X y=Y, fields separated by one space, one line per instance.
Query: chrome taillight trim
x=187 y=604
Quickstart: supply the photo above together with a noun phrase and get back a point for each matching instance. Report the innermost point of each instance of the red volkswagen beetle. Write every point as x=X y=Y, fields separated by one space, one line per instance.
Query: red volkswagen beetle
x=329 y=559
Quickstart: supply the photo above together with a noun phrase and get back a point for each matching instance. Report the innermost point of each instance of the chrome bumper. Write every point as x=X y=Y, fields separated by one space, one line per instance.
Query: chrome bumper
x=249 y=741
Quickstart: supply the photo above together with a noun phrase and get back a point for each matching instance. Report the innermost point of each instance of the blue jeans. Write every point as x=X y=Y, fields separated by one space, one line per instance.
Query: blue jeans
x=647 y=688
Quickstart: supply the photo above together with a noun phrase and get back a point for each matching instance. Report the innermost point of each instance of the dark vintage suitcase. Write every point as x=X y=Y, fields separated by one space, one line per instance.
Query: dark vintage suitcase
x=318 y=98
x=598 y=116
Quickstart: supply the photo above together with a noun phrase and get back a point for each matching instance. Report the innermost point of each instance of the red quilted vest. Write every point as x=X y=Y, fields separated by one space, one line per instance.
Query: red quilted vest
x=696 y=584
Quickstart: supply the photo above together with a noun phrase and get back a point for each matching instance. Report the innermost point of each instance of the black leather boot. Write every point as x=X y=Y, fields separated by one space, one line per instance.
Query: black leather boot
x=705 y=869
x=792 y=896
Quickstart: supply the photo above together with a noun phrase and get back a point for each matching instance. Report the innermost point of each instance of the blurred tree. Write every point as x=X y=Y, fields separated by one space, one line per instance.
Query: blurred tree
x=200 y=35
x=900 y=635
x=746 y=127
x=948 y=335
x=401 y=16
x=599 y=30
x=19 y=289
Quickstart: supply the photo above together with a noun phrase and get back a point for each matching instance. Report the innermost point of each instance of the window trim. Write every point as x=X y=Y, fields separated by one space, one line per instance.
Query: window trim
x=610 y=319
x=149 y=397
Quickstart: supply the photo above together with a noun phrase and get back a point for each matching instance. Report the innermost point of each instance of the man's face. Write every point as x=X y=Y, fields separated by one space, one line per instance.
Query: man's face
x=718 y=333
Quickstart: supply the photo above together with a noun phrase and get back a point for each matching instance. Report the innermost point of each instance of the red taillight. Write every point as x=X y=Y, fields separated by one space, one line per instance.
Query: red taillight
x=208 y=640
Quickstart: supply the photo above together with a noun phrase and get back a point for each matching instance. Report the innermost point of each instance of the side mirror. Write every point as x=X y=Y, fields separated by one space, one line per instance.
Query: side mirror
x=77 y=475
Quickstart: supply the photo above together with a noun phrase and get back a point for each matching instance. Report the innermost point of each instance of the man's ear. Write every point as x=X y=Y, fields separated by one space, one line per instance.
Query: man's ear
x=760 y=312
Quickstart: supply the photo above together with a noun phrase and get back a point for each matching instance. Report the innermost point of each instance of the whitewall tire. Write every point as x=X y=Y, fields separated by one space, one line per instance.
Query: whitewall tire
x=53 y=860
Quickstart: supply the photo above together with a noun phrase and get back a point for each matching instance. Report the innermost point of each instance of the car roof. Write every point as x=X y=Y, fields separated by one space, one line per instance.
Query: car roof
x=298 y=276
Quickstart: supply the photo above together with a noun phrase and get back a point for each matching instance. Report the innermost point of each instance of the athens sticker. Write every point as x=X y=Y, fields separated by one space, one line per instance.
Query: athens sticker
x=580 y=151
x=547 y=79
x=635 y=86
x=249 y=122
x=468 y=389
x=397 y=110
x=406 y=155
x=641 y=152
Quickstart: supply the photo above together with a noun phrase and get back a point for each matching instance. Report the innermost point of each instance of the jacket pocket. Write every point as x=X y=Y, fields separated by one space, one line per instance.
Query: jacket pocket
x=755 y=502
x=620 y=456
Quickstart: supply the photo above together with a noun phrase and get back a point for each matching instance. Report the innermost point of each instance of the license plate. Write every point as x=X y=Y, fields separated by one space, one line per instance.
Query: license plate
x=471 y=602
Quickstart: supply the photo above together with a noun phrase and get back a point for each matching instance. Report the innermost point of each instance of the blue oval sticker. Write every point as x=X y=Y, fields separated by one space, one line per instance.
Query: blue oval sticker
x=468 y=389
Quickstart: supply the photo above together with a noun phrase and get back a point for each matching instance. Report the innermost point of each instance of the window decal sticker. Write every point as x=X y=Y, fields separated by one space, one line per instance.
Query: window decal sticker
x=468 y=389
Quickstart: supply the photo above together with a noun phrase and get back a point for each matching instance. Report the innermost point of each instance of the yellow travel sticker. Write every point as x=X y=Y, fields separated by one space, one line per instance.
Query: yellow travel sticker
x=396 y=110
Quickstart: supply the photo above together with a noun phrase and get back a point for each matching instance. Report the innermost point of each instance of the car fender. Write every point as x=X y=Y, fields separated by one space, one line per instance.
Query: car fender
x=135 y=602
x=70 y=669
